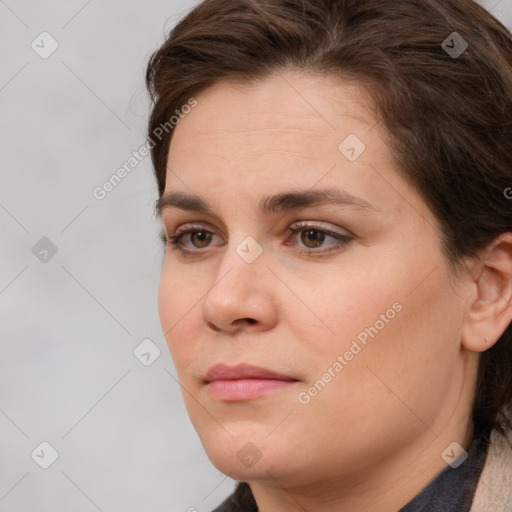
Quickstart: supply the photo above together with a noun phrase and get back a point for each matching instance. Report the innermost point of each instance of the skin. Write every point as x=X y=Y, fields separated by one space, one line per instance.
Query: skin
x=374 y=435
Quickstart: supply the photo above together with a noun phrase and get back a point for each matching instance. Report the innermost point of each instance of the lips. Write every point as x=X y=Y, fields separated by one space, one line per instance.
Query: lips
x=243 y=371
x=244 y=382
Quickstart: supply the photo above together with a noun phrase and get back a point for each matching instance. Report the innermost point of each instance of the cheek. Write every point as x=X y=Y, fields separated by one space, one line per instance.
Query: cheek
x=398 y=327
x=343 y=304
x=178 y=305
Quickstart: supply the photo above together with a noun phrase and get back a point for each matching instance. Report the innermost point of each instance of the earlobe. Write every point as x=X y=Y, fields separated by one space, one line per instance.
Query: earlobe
x=489 y=313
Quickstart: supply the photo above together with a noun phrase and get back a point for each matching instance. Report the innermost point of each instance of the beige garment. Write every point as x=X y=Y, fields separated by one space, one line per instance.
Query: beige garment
x=494 y=489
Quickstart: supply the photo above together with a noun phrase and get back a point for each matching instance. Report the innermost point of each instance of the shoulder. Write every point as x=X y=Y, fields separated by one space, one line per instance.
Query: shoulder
x=494 y=489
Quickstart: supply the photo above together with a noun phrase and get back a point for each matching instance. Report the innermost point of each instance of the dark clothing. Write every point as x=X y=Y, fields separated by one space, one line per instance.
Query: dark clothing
x=451 y=491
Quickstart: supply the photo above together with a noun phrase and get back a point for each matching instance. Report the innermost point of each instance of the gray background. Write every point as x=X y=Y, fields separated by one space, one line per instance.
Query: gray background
x=70 y=321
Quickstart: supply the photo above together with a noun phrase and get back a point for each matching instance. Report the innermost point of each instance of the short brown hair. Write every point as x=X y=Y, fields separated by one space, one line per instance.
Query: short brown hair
x=448 y=117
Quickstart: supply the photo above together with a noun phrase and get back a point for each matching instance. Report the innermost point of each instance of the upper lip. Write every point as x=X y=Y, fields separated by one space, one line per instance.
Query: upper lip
x=242 y=371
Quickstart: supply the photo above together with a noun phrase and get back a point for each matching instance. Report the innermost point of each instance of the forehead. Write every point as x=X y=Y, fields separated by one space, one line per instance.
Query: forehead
x=290 y=130
x=286 y=101
x=293 y=113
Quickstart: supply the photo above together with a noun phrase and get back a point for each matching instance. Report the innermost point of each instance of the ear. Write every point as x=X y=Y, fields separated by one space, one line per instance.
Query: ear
x=489 y=311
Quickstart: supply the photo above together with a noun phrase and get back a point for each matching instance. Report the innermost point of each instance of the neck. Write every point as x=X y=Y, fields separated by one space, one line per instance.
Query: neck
x=387 y=485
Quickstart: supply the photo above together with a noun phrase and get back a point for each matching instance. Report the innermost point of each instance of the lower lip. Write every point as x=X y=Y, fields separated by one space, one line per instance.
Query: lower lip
x=245 y=389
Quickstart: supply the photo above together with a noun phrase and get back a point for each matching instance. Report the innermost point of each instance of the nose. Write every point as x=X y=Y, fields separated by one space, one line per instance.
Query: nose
x=242 y=296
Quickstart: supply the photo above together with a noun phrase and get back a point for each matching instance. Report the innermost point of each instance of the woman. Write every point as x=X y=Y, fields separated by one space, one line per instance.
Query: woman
x=334 y=179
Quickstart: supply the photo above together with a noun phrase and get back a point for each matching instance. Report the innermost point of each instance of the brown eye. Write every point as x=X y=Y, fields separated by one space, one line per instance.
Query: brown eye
x=203 y=238
x=312 y=238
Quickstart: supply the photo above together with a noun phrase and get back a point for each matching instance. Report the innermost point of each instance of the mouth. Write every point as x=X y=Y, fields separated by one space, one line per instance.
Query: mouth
x=244 y=382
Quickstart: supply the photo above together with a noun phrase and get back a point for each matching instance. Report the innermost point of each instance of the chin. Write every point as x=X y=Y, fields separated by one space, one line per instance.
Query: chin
x=241 y=455
x=232 y=468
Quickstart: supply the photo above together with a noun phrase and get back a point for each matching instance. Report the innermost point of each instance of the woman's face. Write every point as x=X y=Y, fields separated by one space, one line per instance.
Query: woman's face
x=365 y=328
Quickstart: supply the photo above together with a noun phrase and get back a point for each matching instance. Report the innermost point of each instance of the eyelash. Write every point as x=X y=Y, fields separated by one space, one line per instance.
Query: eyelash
x=298 y=227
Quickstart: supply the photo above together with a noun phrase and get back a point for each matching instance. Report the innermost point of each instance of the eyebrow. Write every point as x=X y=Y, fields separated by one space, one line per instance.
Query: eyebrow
x=284 y=201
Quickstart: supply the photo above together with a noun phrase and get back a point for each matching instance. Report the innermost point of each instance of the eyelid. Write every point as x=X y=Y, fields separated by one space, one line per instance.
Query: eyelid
x=190 y=225
x=304 y=224
x=320 y=226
